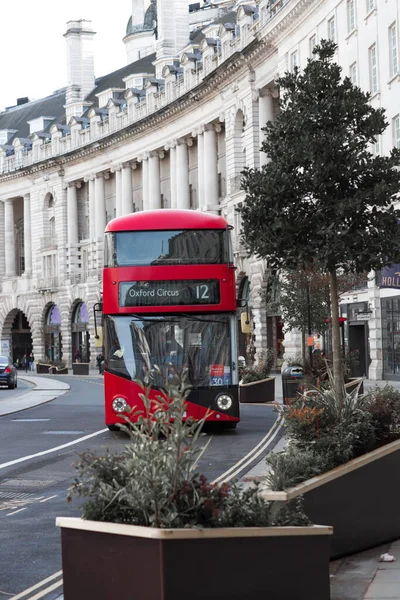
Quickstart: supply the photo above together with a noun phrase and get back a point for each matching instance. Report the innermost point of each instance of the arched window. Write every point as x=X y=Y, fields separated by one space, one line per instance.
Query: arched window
x=52 y=335
x=80 y=334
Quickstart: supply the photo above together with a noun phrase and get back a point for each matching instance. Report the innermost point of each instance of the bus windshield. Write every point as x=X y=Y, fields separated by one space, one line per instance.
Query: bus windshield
x=195 y=349
x=150 y=248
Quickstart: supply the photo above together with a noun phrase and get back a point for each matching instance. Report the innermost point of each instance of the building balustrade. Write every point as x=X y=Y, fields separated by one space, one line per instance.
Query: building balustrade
x=75 y=278
x=243 y=37
x=47 y=284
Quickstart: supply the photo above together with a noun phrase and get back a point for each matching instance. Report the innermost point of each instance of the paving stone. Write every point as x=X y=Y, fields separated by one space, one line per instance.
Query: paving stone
x=383 y=590
x=387 y=575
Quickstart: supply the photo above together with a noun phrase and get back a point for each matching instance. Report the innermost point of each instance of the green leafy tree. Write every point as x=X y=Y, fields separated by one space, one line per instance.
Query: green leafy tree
x=323 y=199
x=305 y=299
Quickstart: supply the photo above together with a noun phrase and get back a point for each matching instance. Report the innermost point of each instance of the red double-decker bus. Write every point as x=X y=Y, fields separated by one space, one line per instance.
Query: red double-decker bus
x=169 y=309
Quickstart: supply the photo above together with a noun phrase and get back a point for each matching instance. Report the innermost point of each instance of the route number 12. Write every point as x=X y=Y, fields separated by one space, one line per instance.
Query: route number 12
x=202 y=292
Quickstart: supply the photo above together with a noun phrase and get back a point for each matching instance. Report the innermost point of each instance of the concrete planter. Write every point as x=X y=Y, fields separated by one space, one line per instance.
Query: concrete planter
x=257 y=391
x=106 y=560
x=80 y=368
x=42 y=368
x=360 y=500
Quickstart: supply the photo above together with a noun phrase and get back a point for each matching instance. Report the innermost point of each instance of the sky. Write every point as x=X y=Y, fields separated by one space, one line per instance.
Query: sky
x=33 y=57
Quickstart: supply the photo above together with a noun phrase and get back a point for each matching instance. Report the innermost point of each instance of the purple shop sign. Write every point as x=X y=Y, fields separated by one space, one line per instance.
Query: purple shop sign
x=390 y=277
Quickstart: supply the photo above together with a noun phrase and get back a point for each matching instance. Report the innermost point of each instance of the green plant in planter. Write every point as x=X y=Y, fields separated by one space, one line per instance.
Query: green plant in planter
x=325 y=428
x=259 y=372
x=155 y=481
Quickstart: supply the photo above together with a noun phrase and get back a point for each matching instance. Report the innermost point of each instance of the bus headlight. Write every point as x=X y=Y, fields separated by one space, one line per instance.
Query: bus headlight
x=224 y=402
x=120 y=405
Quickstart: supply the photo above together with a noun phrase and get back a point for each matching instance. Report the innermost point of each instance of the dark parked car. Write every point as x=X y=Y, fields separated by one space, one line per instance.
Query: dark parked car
x=8 y=373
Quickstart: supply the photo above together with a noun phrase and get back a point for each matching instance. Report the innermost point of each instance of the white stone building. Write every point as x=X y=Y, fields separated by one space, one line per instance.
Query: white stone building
x=172 y=128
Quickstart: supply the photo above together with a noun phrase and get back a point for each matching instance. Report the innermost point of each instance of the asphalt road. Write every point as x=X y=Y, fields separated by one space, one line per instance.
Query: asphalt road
x=33 y=488
x=22 y=387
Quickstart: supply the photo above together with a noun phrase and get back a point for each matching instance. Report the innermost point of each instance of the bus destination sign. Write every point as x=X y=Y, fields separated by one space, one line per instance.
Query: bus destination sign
x=169 y=293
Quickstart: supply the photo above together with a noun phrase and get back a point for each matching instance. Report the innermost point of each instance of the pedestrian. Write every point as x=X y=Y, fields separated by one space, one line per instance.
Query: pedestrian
x=77 y=356
x=25 y=363
x=31 y=360
x=99 y=360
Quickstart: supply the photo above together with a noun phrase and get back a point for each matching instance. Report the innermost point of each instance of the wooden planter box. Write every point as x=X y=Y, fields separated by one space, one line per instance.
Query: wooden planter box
x=353 y=383
x=63 y=371
x=42 y=368
x=257 y=391
x=105 y=560
x=80 y=368
x=360 y=500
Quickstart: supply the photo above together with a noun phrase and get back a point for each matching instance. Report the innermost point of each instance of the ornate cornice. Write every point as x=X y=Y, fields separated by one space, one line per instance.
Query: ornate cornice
x=223 y=75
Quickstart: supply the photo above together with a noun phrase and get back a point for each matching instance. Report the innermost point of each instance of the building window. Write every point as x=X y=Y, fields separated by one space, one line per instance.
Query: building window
x=332 y=29
x=351 y=16
x=396 y=131
x=373 y=69
x=294 y=61
x=353 y=73
x=312 y=43
x=393 y=50
x=370 y=5
x=376 y=148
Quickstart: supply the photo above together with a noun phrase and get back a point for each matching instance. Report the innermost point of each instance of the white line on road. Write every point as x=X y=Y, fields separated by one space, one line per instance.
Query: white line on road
x=252 y=454
x=15 y=512
x=39 y=585
x=49 y=498
x=31 y=456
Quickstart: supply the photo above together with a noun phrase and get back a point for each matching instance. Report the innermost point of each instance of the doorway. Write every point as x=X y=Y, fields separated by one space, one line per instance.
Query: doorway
x=358 y=344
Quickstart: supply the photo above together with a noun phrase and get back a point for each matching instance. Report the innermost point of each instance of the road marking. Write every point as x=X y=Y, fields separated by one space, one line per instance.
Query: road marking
x=44 y=452
x=254 y=456
x=261 y=446
x=39 y=585
x=15 y=512
x=49 y=498
x=29 y=420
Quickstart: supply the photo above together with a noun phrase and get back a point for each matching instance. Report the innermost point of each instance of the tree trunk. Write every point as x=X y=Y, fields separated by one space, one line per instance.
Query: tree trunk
x=303 y=346
x=337 y=362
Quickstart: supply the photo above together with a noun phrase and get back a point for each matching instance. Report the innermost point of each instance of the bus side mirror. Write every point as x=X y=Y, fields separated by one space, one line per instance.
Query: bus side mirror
x=245 y=323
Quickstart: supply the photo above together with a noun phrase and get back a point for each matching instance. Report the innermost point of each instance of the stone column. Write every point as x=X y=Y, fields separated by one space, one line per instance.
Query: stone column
x=2 y=241
x=375 y=330
x=118 y=190
x=154 y=180
x=266 y=113
x=72 y=213
x=100 y=208
x=27 y=235
x=92 y=207
x=145 y=182
x=182 y=175
x=172 y=167
x=200 y=167
x=260 y=328
x=293 y=345
x=9 y=238
x=211 y=191
x=127 y=190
